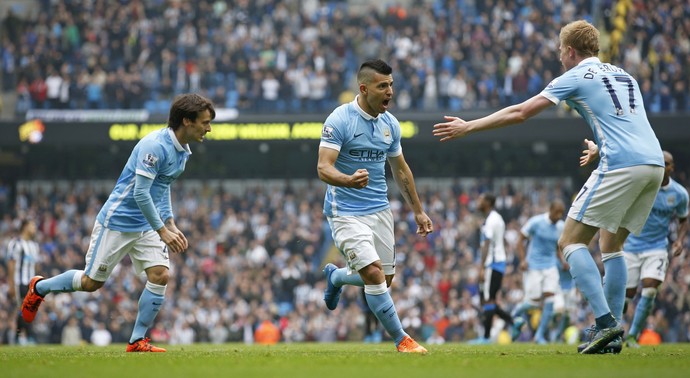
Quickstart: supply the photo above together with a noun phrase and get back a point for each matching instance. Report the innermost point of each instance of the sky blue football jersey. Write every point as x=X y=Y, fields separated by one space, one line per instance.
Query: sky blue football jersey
x=365 y=142
x=158 y=156
x=671 y=201
x=609 y=100
x=543 y=238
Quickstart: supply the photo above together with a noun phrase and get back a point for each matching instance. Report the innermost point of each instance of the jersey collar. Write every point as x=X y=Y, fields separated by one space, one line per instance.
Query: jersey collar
x=591 y=59
x=361 y=111
x=177 y=144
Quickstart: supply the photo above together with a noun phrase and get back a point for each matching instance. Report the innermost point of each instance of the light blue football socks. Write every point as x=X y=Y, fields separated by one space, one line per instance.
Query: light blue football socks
x=339 y=277
x=615 y=279
x=546 y=314
x=522 y=308
x=381 y=303
x=588 y=280
x=642 y=311
x=150 y=303
x=65 y=282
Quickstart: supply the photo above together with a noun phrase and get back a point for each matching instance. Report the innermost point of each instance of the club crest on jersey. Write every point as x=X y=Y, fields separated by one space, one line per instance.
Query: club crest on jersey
x=387 y=135
x=150 y=160
x=671 y=200
x=327 y=132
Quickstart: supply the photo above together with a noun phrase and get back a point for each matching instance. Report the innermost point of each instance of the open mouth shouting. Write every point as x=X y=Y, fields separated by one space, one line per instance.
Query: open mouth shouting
x=385 y=104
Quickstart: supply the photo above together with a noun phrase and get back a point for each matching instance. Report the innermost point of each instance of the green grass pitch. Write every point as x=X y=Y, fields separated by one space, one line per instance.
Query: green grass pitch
x=343 y=360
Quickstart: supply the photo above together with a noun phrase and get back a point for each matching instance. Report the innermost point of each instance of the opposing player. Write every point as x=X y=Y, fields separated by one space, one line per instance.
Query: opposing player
x=23 y=254
x=493 y=264
x=540 y=267
x=646 y=255
x=357 y=139
x=618 y=196
x=137 y=220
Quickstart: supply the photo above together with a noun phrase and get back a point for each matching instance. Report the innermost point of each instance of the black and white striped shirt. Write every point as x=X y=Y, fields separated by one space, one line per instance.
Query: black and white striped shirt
x=25 y=253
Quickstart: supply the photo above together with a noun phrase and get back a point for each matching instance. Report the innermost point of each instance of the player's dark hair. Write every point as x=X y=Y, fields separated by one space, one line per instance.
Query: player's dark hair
x=25 y=222
x=490 y=198
x=376 y=65
x=556 y=203
x=188 y=106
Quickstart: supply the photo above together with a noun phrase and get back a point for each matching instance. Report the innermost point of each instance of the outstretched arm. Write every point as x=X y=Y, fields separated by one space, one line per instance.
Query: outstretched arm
x=403 y=177
x=458 y=128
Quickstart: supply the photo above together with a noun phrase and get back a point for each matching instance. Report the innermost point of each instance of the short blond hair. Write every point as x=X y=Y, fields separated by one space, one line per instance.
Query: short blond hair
x=582 y=36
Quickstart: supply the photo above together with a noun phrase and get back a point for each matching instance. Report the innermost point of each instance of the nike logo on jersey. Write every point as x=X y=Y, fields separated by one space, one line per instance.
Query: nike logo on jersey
x=388 y=309
x=357 y=135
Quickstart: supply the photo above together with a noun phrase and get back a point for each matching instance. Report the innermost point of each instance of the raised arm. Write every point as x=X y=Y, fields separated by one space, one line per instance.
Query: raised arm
x=458 y=128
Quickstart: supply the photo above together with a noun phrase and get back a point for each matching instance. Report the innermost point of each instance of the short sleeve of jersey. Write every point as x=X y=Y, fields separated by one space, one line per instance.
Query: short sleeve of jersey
x=332 y=132
x=561 y=87
x=395 y=148
x=149 y=158
x=12 y=250
x=528 y=229
x=489 y=229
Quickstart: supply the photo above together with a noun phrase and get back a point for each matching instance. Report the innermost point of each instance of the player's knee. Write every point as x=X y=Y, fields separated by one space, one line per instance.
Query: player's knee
x=373 y=273
x=649 y=292
x=90 y=285
x=158 y=275
x=161 y=278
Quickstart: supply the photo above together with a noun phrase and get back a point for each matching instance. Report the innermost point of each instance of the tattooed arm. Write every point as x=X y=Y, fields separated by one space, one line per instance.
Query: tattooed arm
x=403 y=177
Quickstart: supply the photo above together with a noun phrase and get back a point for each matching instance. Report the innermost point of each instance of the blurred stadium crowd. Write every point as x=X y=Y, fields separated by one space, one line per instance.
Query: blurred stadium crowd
x=300 y=56
x=256 y=257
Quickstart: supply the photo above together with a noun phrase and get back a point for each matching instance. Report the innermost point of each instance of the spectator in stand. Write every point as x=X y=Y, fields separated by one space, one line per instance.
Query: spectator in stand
x=513 y=35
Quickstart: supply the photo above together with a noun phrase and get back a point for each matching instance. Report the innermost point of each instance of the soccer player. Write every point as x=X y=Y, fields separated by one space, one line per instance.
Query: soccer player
x=356 y=141
x=23 y=254
x=618 y=196
x=493 y=264
x=565 y=301
x=137 y=219
x=540 y=267
x=646 y=255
